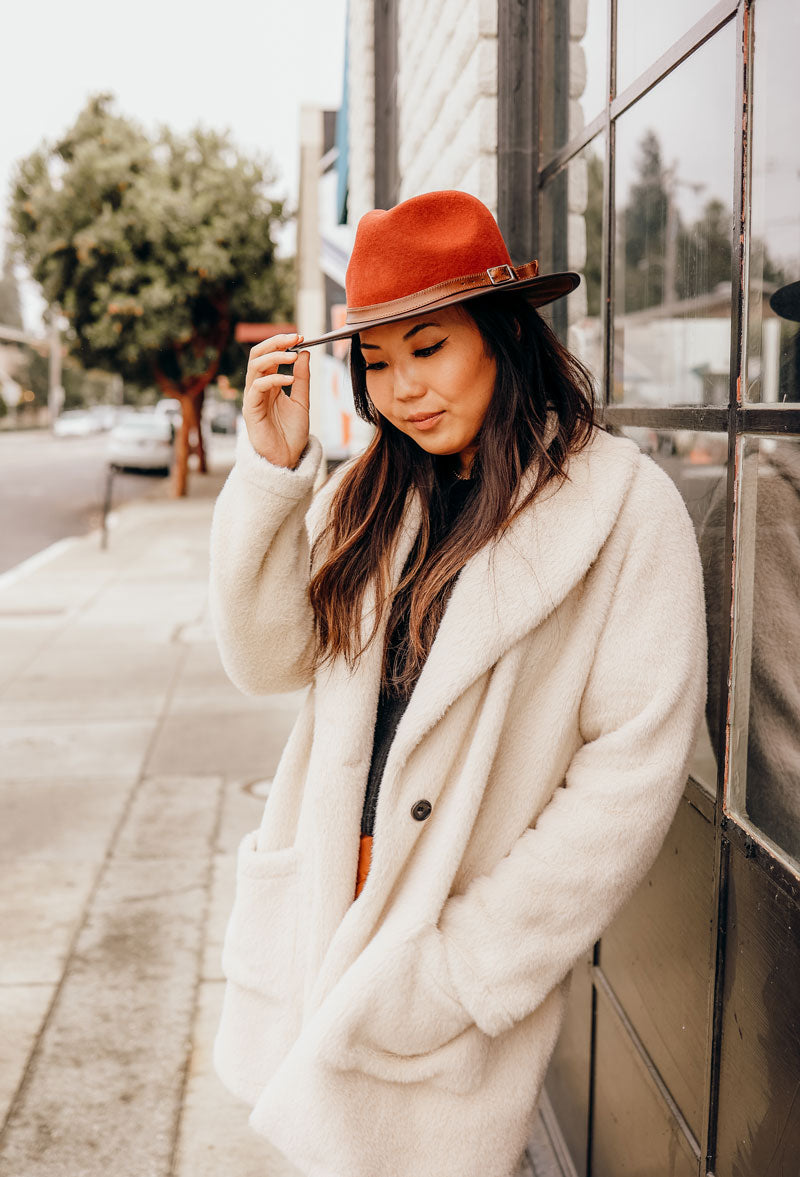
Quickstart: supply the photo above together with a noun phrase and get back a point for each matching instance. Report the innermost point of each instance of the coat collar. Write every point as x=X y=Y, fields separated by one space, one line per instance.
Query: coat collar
x=511 y=585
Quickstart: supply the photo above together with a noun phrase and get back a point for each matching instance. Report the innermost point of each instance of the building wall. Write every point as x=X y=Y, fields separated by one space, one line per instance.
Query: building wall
x=447 y=100
x=361 y=110
x=447 y=89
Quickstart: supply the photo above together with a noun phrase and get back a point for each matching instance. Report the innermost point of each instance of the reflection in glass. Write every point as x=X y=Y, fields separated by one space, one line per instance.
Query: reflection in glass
x=571 y=238
x=646 y=29
x=674 y=225
x=697 y=464
x=765 y=737
x=574 y=57
x=773 y=359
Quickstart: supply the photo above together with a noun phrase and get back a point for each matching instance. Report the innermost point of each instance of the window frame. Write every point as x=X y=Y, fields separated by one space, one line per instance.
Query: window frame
x=522 y=175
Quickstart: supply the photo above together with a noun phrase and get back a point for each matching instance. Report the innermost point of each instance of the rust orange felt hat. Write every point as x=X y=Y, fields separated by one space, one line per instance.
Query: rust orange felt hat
x=431 y=251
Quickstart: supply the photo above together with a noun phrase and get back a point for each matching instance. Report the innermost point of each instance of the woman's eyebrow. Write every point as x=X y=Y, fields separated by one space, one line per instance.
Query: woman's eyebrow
x=419 y=327
x=408 y=334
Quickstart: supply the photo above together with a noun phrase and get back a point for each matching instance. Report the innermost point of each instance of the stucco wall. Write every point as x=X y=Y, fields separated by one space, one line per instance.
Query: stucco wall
x=361 y=118
x=447 y=88
x=447 y=99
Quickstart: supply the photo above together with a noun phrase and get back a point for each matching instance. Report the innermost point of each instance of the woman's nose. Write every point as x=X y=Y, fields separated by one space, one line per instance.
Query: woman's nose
x=406 y=384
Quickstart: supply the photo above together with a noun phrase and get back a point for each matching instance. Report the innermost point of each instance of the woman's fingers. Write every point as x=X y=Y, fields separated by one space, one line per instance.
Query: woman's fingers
x=300 y=380
x=277 y=424
x=270 y=359
x=271 y=382
x=274 y=343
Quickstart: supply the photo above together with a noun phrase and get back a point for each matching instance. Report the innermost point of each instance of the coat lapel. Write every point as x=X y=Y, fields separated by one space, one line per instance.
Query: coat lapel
x=510 y=586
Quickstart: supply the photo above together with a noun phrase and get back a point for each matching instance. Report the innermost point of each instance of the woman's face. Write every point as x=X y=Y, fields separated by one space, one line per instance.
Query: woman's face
x=431 y=377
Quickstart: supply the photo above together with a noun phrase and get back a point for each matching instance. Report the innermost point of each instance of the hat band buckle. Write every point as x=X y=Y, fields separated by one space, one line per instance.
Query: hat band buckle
x=500 y=274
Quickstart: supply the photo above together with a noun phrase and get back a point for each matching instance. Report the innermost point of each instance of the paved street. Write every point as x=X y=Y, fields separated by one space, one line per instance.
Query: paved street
x=52 y=487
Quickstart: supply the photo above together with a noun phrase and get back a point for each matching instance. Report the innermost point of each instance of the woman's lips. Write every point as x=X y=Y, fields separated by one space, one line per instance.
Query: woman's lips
x=427 y=422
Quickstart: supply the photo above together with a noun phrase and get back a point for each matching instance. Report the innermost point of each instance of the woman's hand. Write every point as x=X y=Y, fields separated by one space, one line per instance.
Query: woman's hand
x=277 y=424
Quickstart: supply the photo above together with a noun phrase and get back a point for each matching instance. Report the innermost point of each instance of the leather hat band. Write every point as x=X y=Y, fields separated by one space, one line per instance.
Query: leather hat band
x=494 y=276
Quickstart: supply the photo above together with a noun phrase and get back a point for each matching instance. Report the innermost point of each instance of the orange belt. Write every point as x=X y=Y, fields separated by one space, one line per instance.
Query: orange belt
x=364 y=859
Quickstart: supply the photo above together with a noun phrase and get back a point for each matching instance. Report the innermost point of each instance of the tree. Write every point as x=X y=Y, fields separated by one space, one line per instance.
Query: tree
x=10 y=312
x=667 y=259
x=152 y=247
x=593 y=217
x=645 y=222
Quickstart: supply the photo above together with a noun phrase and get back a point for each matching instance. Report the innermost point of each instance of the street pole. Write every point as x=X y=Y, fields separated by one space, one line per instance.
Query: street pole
x=55 y=391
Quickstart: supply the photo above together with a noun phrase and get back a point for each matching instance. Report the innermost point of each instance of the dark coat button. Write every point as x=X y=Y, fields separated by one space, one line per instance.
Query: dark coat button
x=420 y=810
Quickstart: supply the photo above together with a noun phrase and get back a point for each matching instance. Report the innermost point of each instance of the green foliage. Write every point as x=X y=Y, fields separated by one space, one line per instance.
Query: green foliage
x=153 y=247
x=35 y=374
x=10 y=312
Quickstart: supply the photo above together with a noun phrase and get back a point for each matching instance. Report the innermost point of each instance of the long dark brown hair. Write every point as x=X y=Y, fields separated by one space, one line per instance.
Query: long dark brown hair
x=534 y=372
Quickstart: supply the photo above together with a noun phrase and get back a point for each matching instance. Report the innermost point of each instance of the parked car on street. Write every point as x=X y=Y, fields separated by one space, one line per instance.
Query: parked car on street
x=142 y=441
x=105 y=416
x=75 y=423
x=222 y=418
x=171 y=408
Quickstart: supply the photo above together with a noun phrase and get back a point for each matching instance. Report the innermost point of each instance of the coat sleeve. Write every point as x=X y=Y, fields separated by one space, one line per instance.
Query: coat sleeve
x=259 y=571
x=516 y=932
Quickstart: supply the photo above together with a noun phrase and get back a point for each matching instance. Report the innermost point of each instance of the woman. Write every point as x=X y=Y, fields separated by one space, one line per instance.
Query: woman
x=498 y=608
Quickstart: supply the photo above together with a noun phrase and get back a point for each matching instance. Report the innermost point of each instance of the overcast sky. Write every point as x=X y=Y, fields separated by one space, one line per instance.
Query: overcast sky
x=246 y=65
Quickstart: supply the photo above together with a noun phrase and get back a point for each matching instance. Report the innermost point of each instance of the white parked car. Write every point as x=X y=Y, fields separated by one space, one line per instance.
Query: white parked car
x=75 y=423
x=104 y=416
x=142 y=441
x=171 y=407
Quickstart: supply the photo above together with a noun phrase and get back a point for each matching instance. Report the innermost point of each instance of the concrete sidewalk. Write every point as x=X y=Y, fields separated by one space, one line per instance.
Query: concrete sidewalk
x=130 y=766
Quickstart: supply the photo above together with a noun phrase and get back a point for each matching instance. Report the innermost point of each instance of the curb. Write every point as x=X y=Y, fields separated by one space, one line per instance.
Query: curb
x=26 y=567
x=29 y=565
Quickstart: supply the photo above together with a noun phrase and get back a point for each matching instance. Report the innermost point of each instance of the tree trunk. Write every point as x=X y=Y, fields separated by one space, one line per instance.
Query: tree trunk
x=189 y=441
x=201 y=445
x=191 y=393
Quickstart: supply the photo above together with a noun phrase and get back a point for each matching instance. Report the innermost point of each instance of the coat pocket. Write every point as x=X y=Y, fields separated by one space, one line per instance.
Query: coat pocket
x=406 y=1025
x=260 y=944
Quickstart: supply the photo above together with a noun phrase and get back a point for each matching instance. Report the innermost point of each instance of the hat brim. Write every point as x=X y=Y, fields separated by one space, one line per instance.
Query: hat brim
x=537 y=291
x=786 y=302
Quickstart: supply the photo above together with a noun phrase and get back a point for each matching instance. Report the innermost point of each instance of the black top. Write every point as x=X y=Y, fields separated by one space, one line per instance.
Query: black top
x=391 y=703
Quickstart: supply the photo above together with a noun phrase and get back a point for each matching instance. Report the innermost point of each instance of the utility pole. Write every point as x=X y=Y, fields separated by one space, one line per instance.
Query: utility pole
x=55 y=392
x=672 y=182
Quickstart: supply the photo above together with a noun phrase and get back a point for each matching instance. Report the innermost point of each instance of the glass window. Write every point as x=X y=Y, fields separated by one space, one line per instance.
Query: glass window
x=765 y=744
x=575 y=57
x=773 y=362
x=571 y=238
x=697 y=463
x=646 y=29
x=673 y=242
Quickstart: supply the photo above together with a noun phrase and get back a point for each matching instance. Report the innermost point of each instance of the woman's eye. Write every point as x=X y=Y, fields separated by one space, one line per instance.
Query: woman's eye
x=421 y=351
x=428 y=351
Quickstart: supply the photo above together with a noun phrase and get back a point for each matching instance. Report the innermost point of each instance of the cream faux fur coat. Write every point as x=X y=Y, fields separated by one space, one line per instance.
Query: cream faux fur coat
x=407 y=1033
